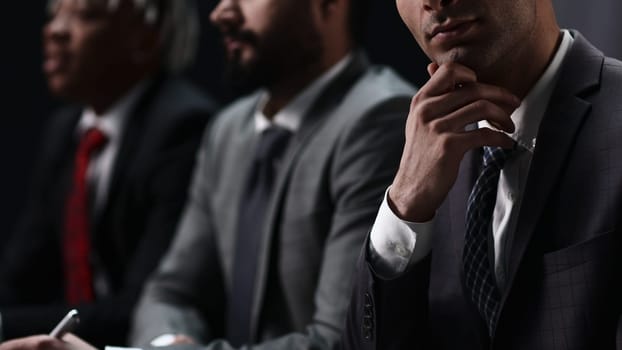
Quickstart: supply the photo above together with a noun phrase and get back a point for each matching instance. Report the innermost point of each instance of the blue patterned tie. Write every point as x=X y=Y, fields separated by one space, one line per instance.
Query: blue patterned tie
x=478 y=272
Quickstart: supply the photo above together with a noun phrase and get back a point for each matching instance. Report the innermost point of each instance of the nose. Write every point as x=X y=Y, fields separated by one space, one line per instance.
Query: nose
x=437 y=5
x=57 y=27
x=226 y=15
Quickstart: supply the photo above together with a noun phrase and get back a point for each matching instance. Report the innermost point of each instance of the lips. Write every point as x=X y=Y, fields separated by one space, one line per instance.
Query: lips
x=451 y=30
x=232 y=43
x=55 y=61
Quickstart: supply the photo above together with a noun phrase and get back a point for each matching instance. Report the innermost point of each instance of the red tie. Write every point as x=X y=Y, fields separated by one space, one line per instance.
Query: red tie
x=76 y=243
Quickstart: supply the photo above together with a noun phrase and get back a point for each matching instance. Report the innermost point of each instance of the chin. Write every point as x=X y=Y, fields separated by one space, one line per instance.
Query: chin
x=465 y=57
x=62 y=88
x=57 y=86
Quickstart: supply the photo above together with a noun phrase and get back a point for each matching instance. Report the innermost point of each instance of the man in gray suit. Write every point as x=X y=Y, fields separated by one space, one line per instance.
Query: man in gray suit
x=265 y=260
x=502 y=227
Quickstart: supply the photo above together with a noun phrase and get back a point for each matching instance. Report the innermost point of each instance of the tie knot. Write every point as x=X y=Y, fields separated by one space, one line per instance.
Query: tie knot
x=272 y=143
x=496 y=156
x=92 y=140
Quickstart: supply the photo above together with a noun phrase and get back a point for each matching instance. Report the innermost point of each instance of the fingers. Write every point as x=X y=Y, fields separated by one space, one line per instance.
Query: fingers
x=73 y=342
x=472 y=113
x=470 y=104
x=451 y=106
x=37 y=342
x=445 y=78
x=184 y=339
x=484 y=137
x=432 y=68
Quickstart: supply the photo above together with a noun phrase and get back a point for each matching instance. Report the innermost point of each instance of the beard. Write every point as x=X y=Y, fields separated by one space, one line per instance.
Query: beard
x=278 y=55
x=245 y=77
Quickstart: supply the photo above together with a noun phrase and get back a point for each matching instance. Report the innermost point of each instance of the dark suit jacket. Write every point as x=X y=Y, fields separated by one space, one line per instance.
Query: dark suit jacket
x=331 y=180
x=565 y=276
x=147 y=191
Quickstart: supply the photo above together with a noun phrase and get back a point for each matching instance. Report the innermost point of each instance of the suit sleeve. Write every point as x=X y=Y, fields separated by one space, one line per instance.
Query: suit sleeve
x=188 y=280
x=388 y=311
x=388 y=314
x=107 y=320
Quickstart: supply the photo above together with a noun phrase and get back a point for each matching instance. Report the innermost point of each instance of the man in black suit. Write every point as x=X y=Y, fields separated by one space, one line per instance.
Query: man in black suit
x=114 y=169
x=488 y=239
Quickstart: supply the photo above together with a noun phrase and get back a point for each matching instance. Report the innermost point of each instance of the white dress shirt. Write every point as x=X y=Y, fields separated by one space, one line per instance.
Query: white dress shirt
x=396 y=243
x=290 y=116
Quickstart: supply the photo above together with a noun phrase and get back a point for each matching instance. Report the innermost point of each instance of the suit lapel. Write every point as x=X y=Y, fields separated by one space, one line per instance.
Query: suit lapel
x=458 y=198
x=580 y=73
x=312 y=121
x=130 y=141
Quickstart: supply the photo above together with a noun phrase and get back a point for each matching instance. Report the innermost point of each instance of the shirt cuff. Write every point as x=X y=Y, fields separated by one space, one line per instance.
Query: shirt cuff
x=395 y=243
x=163 y=340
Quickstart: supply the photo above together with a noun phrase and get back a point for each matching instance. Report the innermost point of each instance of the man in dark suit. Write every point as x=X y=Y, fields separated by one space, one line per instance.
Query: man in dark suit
x=488 y=239
x=286 y=187
x=98 y=220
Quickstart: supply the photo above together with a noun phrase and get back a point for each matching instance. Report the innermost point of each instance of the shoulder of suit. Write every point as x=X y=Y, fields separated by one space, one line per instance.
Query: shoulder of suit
x=176 y=97
x=378 y=91
x=378 y=85
x=613 y=67
x=382 y=82
x=235 y=116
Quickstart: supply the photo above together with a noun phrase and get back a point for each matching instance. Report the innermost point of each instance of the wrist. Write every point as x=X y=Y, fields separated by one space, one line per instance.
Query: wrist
x=407 y=206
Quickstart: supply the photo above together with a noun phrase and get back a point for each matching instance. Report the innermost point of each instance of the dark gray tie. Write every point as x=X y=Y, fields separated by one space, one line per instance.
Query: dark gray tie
x=254 y=202
x=478 y=272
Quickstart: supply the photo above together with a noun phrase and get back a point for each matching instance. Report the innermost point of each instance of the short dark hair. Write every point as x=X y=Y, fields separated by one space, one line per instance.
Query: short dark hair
x=359 y=10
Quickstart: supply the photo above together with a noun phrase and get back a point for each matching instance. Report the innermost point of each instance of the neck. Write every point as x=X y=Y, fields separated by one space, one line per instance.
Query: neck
x=525 y=63
x=106 y=95
x=528 y=63
x=285 y=90
x=523 y=76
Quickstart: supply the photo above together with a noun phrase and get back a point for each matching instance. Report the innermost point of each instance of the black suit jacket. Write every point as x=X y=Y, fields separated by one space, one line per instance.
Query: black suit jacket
x=147 y=192
x=565 y=278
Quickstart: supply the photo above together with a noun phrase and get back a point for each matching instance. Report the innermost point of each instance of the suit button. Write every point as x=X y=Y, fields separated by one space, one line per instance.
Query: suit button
x=367 y=324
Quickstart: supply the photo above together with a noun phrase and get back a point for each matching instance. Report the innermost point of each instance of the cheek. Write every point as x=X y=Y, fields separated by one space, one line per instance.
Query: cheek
x=410 y=17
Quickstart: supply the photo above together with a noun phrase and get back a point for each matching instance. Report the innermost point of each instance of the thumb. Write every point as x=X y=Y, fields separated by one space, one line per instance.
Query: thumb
x=432 y=68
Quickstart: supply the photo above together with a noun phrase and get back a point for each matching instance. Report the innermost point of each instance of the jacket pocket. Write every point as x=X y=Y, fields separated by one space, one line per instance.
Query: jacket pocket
x=599 y=247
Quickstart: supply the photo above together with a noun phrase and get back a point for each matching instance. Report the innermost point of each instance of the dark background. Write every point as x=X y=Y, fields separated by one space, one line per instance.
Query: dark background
x=26 y=103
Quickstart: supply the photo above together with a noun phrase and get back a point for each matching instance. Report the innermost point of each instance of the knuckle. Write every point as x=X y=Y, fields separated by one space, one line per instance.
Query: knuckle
x=423 y=110
x=416 y=100
x=484 y=107
x=450 y=67
x=446 y=144
x=437 y=126
x=480 y=105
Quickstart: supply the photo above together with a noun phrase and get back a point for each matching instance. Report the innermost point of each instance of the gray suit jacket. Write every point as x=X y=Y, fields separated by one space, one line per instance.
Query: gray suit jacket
x=331 y=181
x=564 y=265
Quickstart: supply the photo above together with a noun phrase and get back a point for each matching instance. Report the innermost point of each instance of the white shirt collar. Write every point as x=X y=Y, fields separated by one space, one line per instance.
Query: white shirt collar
x=290 y=117
x=112 y=121
x=529 y=114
